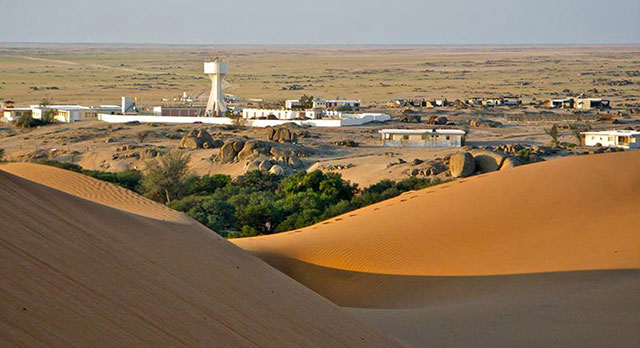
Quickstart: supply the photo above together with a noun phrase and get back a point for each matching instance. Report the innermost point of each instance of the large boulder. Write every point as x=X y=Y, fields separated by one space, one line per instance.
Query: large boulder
x=265 y=165
x=488 y=161
x=462 y=164
x=282 y=135
x=251 y=165
x=252 y=149
x=277 y=170
x=207 y=141
x=484 y=123
x=190 y=143
x=510 y=162
x=227 y=153
x=437 y=120
x=199 y=139
x=294 y=161
x=238 y=145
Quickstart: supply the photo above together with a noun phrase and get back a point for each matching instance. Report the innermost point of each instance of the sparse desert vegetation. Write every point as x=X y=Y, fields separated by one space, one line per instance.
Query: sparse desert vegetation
x=521 y=234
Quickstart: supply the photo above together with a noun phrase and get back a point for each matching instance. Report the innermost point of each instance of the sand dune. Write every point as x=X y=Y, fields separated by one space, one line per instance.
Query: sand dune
x=539 y=255
x=84 y=263
x=578 y=213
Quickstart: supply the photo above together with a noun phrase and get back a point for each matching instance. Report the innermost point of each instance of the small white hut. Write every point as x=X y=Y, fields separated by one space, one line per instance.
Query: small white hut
x=625 y=139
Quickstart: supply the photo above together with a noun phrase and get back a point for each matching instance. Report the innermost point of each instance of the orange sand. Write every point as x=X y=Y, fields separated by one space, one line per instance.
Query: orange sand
x=85 y=263
x=578 y=213
x=546 y=254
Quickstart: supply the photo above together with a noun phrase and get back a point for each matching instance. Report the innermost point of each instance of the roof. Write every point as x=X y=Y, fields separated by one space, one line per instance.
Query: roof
x=592 y=99
x=60 y=107
x=339 y=101
x=422 y=131
x=627 y=133
x=16 y=109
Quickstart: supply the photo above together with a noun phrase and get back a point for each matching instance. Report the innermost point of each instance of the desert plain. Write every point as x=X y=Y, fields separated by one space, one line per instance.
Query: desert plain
x=543 y=254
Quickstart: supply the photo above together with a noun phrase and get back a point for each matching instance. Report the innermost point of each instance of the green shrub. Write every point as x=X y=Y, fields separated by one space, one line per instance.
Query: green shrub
x=166 y=178
x=63 y=165
x=524 y=155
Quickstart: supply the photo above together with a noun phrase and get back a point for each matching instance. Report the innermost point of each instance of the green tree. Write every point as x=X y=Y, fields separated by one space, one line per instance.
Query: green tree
x=207 y=184
x=554 y=134
x=306 y=101
x=257 y=180
x=215 y=213
x=26 y=121
x=166 y=177
x=330 y=185
x=48 y=116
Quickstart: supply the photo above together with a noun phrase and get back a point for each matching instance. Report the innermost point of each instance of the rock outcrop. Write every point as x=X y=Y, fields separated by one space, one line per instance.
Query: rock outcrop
x=227 y=153
x=277 y=170
x=488 y=161
x=510 y=162
x=260 y=155
x=282 y=135
x=462 y=164
x=482 y=123
x=199 y=139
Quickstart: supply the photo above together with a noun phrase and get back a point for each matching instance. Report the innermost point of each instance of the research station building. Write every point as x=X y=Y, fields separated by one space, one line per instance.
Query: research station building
x=422 y=137
x=625 y=139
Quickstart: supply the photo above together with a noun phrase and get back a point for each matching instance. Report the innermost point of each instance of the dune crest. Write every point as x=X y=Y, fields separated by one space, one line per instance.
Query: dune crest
x=94 y=190
x=79 y=271
x=541 y=255
x=578 y=213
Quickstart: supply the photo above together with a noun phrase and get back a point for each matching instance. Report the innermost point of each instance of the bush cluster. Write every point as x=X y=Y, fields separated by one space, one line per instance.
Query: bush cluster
x=254 y=203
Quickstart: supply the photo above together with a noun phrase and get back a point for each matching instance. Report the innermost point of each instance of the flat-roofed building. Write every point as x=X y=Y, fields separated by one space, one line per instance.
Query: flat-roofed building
x=422 y=137
x=353 y=105
x=560 y=103
x=279 y=114
x=591 y=103
x=11 y=114
x=183 y=111
x=65 y=113
x=626 y=139
x=292 y=103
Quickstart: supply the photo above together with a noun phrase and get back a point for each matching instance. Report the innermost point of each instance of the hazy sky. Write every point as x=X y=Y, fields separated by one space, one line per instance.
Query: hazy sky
x=321 y=21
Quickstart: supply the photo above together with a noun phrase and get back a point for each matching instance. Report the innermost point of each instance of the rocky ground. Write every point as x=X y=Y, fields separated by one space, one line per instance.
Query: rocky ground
x=494 y=141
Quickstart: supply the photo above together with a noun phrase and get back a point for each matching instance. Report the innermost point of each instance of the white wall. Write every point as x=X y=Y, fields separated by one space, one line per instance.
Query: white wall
x=416 y=140
x=610 y=140
x=163 y=119
x=225 y=120
x=604 y=140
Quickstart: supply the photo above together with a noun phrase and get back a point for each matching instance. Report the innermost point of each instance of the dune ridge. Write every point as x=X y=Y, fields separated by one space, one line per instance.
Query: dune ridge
x=546 y=217
x=83 y=271
x=546 y=254
x=94 y=190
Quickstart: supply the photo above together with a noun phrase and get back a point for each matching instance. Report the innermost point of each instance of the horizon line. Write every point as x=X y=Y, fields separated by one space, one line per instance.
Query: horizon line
x=320 y=44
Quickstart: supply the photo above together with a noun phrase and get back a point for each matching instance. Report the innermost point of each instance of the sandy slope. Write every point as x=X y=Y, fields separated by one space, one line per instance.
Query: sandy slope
x=544 y=254
x=578 y=213
x=77 y=269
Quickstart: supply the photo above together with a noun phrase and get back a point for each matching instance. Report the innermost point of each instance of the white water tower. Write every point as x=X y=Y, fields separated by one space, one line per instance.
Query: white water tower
x=215 y=70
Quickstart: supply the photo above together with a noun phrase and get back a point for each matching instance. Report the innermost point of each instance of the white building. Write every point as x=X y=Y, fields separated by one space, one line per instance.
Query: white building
x=591 y=103
x=65 y=113
x=354 y=105
x=292 y=103
x=625 y=139
x=12 y=114
x=279 y=114
x=422 y=137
